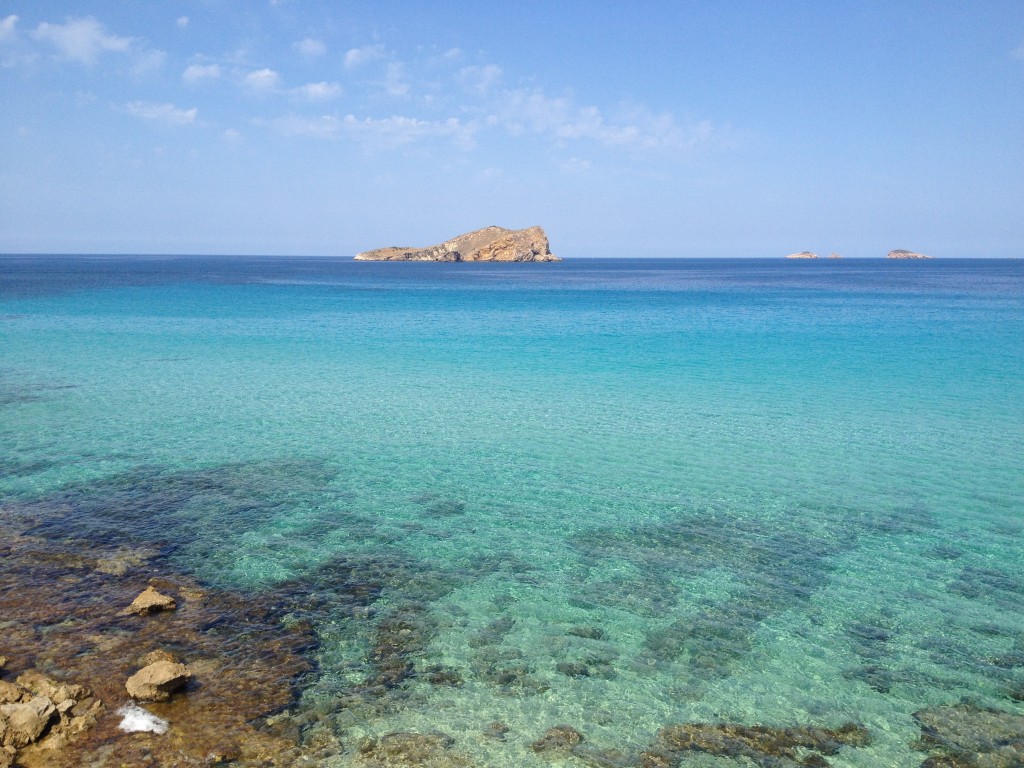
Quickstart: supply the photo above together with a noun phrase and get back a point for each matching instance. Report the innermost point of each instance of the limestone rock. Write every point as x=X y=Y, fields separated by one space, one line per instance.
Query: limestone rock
x=899 y=253
x=59 y=693
x=802 y=255
x=487 y=244
x=150 y=601
x=157 y=681
x=9 y=693
x=835 y=255
x=26 y=721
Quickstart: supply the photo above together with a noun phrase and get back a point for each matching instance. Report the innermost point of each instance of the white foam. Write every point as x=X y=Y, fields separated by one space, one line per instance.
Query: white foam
x=137 y=719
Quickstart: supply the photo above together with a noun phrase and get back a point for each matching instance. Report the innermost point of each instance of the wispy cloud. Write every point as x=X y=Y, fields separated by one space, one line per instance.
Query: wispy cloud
x=311 y=47
x=395 y=81
x=1017 y=53
x=81 y=39
x=385 y=133
x=358 y=56
x=182 y=21
x=148 y=63
x=163 y=113
x=318 y=91
x=479 y=79
x=195 y=72
x=7 y=27
x=262 y=80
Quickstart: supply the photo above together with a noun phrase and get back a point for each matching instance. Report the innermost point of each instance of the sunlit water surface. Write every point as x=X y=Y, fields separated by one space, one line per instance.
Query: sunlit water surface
x=611 y=494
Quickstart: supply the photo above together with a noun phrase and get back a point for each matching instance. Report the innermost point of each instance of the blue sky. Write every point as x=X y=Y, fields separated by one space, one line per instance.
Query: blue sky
x=624 y=129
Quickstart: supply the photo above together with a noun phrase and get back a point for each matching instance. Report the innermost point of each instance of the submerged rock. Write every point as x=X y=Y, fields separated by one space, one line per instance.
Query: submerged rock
x=971 y=737
x=561 y=738
x=432 y=750
x=496 y=730
x=157 y=681
x=763 y=745
x=487 y=244
x=151 y=601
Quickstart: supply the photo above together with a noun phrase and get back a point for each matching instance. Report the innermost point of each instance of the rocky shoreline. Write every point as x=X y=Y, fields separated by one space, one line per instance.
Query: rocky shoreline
x=79 y=662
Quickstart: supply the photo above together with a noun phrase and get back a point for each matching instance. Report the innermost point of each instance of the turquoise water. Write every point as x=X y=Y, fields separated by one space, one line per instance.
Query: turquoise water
x=613 y=494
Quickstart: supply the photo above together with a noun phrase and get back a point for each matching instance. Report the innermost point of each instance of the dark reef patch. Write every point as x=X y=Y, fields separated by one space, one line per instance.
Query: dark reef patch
x=965 y=736
x=1005 y=590
x=769 y=571
x=764 y=746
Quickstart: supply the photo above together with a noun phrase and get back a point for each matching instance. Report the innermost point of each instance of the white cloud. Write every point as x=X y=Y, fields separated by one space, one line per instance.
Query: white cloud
x=195 y=72
x=451 y=54
x=395 y=83
x=81 y=39
x=7 y=26
x=310 y=47
x=319 y=91
x=377 y=133
x=164 y=113
x=262 y=80
x=479 y=79
x=232 y=136
x=182 y=21
x=359 y=56
x=148 y=63
x=559 y=118
x=576 y=165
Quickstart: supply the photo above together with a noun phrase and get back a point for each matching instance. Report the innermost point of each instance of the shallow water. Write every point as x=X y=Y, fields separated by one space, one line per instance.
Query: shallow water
x=613 y=494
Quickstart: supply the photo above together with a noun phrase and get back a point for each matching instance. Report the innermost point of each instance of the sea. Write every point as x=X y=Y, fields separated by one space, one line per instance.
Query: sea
x=612 y=494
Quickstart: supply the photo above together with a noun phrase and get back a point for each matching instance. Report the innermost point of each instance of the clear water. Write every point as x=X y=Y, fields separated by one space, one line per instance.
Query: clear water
x=612 y=494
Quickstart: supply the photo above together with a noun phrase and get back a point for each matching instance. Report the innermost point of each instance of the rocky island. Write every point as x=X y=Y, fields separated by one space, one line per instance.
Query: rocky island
x=802 y=255
x=487 y=244
x=901 y=254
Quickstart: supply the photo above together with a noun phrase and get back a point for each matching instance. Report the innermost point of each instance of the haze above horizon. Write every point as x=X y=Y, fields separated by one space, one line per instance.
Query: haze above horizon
x=648 y=129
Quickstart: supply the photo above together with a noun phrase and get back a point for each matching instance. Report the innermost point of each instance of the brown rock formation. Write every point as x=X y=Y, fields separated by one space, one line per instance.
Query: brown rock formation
x=157 y=681
x=151 y=601
x=37 y=708
x=899 y=253
x=802 y=255
x=62 y=614
x=487 y=244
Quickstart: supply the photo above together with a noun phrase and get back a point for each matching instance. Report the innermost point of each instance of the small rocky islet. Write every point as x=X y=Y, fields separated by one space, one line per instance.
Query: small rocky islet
x=487 y=244
x=899 y=253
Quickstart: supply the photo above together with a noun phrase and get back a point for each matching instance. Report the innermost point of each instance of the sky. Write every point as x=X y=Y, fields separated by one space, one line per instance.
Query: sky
x=640 y=129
